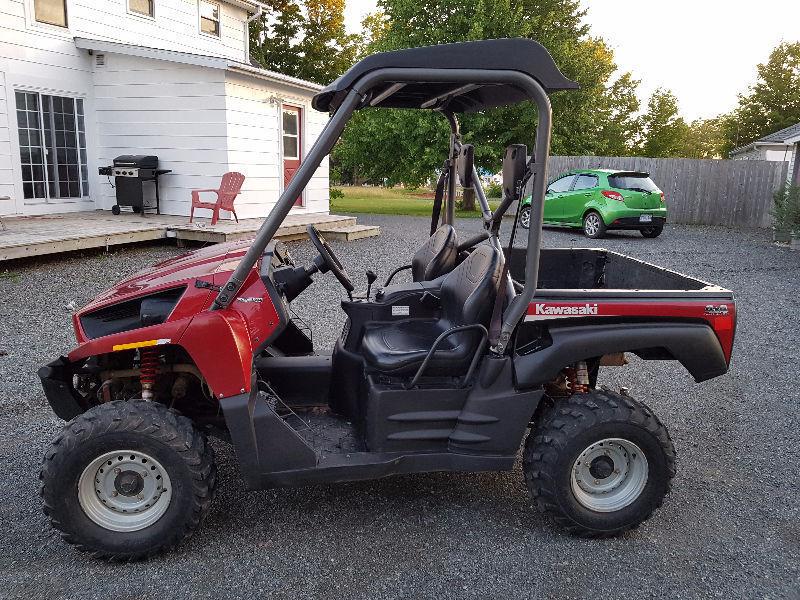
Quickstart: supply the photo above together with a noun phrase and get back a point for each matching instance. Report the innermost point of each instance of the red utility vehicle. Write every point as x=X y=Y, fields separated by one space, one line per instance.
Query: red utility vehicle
x=446 y=373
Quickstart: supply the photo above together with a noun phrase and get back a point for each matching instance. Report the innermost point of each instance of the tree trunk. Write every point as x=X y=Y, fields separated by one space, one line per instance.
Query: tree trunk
x=468 y=199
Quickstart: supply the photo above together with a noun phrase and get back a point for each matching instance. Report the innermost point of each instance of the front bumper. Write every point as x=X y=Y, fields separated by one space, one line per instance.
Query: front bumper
x=58 y=389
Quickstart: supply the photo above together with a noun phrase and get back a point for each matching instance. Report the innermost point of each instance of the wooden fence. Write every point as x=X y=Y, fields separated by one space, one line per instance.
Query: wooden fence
x=735 y=193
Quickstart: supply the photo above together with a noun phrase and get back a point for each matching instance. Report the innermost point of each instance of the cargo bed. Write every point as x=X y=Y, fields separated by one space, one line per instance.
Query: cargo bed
x=599 y=301
x=596 y=271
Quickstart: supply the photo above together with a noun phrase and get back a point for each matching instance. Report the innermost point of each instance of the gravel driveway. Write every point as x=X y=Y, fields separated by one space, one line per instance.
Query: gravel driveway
x=730 y=528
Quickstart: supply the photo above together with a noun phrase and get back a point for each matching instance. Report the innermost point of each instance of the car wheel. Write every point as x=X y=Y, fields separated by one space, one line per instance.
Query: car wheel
x=525 y=217
x=127 y=480
x=651 y=232
x=593 y=225
x=599 y=463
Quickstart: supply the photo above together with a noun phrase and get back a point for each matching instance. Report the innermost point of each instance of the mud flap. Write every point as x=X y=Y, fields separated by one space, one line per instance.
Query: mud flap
x=57 y=384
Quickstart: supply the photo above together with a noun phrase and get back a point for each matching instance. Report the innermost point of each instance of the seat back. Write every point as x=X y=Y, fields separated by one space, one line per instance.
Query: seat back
x=229 y=188
x=469 y=291
x=437 y=257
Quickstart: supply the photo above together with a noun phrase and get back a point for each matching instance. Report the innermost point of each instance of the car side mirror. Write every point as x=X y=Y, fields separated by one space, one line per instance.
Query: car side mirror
x=465 y=165
x=515 y=164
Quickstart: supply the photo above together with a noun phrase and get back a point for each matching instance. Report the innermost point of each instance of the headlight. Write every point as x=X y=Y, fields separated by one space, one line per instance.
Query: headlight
x=132 y=314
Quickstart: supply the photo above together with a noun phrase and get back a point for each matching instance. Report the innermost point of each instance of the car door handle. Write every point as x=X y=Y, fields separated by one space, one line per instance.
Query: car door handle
x=588 y=194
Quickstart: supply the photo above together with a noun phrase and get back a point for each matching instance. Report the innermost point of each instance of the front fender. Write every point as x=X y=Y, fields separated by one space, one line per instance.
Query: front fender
x=694 y=345
x=219 y=344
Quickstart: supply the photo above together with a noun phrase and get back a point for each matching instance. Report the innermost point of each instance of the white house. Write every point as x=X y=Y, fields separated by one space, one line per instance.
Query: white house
x=84 y=81
x=781 y=146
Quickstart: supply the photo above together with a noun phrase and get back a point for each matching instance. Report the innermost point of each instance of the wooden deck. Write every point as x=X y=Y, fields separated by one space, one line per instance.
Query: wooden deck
x=24 y=237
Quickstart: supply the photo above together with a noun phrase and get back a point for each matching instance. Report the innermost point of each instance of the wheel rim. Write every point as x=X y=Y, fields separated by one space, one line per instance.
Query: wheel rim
x=592 y=224
x=124 y=490
x=609 y=475
x=525 y=218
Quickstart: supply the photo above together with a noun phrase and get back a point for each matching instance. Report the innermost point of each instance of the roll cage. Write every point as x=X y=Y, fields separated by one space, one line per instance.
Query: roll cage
x=452 y=79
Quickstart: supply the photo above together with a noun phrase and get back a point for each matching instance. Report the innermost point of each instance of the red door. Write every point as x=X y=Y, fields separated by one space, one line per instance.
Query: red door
x=292 y=145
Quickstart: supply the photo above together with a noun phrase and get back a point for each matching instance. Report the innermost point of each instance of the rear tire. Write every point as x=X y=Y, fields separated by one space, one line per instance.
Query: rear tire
x=127 y=480
x=599 y=463
x=593 y=225
x=651 y=232
x=525 y=217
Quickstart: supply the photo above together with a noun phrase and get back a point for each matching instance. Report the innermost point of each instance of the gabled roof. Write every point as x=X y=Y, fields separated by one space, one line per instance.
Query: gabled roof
x=200 y=60
x=788 y=135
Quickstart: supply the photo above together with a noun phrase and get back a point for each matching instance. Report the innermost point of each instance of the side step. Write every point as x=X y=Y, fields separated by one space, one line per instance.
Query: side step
x=350 y=233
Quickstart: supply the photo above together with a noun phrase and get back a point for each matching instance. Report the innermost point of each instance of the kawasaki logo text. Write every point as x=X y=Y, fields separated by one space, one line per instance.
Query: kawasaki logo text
x=585 y=309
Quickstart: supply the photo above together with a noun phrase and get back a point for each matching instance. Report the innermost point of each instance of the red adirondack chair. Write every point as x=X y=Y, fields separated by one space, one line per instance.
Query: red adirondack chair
x=228 y=190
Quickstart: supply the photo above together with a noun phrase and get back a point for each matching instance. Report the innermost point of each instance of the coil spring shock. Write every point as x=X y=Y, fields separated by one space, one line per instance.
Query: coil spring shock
x=148 y=365
x=577 y=378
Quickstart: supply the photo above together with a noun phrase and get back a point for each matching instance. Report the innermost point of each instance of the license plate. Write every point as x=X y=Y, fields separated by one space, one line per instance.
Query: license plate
x=645 y=218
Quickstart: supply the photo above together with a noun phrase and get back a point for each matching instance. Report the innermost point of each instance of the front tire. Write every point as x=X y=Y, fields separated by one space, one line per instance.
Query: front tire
x=599 y=463
x=525 y=217
x=651 y=232
x=593 y=225
x=127 y=480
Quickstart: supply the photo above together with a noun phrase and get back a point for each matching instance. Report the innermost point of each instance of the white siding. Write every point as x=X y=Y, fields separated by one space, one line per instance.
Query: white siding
x=45 y=59
x=200 y=121
x=7 y=203
x=254 y=148
x=778 y=152
x=176 y=112
x=176 y=26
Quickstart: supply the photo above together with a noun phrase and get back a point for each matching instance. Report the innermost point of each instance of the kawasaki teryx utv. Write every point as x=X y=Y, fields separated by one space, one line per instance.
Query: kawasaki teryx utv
x=447 y=373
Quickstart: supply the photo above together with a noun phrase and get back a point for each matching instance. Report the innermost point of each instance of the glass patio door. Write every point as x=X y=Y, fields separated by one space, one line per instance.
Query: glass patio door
x=52 y=145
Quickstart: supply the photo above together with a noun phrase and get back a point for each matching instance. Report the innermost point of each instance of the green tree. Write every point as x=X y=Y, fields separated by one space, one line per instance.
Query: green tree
x=665 y=130
x=770 y=105
x=304 y=39
x=418 y=139
x=273 y=36
x=703 y=139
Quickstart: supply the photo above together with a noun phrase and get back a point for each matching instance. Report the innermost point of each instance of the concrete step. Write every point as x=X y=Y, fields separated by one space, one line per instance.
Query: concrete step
x=348 y=233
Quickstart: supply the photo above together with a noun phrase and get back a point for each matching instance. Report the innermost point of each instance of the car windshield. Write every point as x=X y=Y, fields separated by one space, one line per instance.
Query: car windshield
x=633 y=182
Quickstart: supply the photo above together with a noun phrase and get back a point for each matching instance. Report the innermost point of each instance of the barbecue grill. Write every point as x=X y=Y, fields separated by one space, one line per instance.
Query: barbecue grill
x=130 y=172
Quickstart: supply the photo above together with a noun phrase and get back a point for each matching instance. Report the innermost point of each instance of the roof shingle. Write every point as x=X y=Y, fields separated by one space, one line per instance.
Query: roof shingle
x=779 y=137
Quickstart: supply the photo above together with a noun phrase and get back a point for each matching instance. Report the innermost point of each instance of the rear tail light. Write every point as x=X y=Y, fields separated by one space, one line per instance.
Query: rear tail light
x=662 y=197
x=613 y=195
x=724 y=325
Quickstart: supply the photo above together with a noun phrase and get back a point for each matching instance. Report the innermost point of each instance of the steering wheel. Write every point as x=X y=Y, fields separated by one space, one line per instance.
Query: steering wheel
x=328 y=259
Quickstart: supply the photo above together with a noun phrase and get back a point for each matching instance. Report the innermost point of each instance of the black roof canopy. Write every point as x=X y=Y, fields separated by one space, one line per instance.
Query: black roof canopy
x=519 y=54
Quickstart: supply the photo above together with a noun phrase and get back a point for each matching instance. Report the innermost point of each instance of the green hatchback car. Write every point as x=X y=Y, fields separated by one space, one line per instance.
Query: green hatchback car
x=597 y=200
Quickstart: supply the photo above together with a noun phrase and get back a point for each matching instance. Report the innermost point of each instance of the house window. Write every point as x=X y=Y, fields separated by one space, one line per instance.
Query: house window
x=142 y=7
x=52 y=12
x=209 y=18
x=52 y=146
x=291 y=133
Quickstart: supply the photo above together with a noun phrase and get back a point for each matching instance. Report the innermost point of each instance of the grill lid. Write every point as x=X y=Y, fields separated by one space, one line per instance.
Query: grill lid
x=136 y=160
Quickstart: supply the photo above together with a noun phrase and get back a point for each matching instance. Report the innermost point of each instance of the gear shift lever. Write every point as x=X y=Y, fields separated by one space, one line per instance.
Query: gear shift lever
x=371 y=277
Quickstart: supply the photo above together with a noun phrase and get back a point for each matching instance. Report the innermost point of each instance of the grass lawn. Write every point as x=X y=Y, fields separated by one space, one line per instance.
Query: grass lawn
x=390 y=201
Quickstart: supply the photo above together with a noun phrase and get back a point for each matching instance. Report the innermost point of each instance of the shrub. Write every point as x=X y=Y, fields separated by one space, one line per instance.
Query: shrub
x=336 y=193
x=786 y=208
x=494 y=190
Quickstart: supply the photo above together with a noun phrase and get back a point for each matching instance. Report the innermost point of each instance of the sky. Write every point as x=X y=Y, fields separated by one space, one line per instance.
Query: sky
x=705 y=51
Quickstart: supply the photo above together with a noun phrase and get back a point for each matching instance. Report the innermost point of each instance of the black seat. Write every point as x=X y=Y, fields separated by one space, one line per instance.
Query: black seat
x=437 y=257
x=467 y=298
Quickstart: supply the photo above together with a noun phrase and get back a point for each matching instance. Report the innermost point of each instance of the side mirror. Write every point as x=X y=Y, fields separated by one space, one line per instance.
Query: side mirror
x=515 y=163
x=548 y=191
x=465 y=165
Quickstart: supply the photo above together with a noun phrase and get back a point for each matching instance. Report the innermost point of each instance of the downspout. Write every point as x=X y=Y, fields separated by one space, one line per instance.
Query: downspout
x=250 y=19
